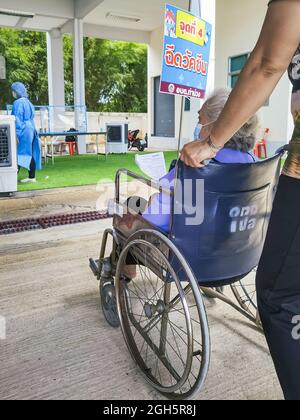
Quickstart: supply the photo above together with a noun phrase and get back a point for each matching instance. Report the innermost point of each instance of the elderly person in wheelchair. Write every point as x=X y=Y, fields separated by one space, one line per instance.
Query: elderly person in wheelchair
x=237 y=150
x=157 y=210
x=164 y=256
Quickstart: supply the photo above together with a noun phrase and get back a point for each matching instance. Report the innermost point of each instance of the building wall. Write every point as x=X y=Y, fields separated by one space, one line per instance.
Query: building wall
x=154 y=69
x=135 y=121
x=238 y=24
x=97 y=121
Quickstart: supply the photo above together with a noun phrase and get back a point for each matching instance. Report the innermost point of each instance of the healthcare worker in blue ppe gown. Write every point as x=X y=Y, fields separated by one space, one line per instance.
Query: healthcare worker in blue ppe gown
x=29 y=149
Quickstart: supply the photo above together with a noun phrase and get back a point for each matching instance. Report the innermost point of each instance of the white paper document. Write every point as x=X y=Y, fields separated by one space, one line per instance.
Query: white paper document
x=153 y=165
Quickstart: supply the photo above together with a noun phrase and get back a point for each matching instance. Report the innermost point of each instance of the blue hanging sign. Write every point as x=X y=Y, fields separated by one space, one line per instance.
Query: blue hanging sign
x=187 y=41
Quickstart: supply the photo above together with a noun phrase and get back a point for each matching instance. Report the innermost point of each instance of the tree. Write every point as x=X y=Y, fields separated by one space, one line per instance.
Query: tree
x=26 y=59
x=116 y=75
x=116 y=72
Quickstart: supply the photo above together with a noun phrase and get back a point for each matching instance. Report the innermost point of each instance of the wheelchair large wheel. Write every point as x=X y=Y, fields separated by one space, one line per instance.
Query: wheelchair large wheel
x=162 y=316
x=245 y=293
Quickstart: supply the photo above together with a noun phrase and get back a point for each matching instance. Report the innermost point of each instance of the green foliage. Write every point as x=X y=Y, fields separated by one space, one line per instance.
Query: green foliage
x=116 y=75
x=116 y=72
x=26 y=61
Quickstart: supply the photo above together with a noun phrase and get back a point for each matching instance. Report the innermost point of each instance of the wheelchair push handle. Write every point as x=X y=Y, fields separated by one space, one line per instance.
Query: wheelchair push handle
x=283 y=149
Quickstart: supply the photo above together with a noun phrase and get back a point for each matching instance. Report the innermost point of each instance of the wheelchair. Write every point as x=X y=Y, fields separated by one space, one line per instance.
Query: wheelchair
x=160 y=308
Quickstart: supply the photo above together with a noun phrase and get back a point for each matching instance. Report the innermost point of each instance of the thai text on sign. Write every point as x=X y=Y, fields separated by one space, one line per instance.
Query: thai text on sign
x=187 y=40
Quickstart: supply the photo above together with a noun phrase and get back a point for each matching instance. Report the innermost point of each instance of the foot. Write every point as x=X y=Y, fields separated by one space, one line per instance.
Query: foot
x=28 y=180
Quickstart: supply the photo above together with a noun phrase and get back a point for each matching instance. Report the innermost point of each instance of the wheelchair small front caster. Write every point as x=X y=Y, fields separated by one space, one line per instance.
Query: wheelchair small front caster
x=109 y=304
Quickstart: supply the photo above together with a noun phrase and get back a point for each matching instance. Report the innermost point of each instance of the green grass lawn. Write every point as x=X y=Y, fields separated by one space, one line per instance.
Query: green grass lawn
x=82 y=170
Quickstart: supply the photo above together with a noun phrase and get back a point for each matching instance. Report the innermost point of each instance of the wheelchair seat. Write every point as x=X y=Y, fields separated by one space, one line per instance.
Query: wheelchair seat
x=238 y=201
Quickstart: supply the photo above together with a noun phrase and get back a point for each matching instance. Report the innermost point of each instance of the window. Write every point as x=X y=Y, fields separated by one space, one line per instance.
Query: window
x=236 y=65
x=187 y=104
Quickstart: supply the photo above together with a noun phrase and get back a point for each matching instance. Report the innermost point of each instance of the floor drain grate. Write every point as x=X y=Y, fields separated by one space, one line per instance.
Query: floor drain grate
x=16 y=226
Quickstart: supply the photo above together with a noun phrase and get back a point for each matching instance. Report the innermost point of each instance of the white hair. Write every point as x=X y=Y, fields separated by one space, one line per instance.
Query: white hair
x=245 y=139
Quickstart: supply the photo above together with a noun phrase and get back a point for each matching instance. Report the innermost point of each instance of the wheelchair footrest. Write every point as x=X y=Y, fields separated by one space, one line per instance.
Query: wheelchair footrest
x=94 y=266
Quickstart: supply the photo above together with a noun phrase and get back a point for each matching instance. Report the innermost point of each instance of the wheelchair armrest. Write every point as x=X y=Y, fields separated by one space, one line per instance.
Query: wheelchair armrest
x=149 y=182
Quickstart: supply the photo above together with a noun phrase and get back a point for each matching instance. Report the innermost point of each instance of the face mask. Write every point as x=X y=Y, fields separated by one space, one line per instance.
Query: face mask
x=198 y=129
x=15 y=95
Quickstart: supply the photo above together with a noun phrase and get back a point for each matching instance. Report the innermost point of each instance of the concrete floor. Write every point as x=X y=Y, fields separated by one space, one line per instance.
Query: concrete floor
x=58 y=345
x=42 y=203
x=66 y=200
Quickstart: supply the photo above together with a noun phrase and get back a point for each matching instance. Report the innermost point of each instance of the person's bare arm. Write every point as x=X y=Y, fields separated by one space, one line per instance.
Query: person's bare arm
x=271 y=57
x=276 y=46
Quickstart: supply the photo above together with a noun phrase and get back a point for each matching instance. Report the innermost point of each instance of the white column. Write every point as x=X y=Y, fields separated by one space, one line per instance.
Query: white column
x=55 y=56
x=196 y=6
x=79 y=80
x=208 y=11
